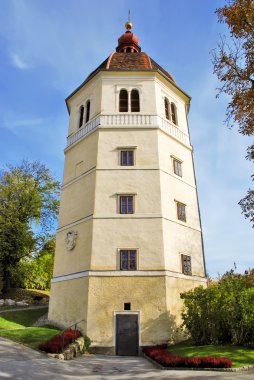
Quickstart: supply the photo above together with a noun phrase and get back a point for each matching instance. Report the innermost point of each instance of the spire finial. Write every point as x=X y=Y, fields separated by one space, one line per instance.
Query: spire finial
x=128 y=24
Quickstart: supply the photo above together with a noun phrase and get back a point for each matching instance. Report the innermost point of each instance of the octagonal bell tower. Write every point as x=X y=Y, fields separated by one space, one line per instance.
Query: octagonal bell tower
x=129 y=239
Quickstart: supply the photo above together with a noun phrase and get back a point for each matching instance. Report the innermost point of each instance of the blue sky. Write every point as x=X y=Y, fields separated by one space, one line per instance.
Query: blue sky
x=48 y=47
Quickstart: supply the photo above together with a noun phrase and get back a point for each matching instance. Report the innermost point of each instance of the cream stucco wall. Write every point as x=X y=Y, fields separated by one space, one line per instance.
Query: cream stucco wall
x=114 y=82
x=163 y=89
x=81 y=159
x=155 y=299
x=93 y=92
x=69 y=301
x=144 y=142
x=87 y=280
x=109 y=235
x=76 y=260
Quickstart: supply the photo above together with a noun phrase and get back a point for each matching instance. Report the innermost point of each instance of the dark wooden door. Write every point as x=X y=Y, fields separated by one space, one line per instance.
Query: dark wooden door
x=126 y=334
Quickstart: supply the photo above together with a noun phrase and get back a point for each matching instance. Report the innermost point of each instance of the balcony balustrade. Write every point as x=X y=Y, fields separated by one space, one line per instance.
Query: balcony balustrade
x=129 y=120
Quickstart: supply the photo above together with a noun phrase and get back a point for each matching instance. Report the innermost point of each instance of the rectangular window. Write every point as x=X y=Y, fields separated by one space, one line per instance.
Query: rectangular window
x=127 y=157
x=128 y=259
x=126 y=204
x=181 y=211
x=177 y=167
x=186 y=264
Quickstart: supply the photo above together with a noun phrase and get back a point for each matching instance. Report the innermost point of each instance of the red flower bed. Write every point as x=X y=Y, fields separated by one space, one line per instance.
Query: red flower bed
x=165 y=358
x=58 y=342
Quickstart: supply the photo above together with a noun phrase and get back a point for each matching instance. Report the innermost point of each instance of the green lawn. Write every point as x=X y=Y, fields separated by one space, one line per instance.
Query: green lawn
x=16 y=325
x=30 y=336
x=240 y=356
x=20 y=318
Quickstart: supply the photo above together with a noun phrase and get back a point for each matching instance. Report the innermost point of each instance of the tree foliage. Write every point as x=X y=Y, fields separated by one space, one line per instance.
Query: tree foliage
x=35 y=272
x=29 y=203
x=223 y=312
x=234 y=66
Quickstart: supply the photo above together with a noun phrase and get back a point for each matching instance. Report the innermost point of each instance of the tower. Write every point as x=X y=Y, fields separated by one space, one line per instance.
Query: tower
x=129 y=239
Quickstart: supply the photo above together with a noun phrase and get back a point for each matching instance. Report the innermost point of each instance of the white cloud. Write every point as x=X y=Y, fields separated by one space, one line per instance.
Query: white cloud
x=19 y=62
x=13 y=124
x=46 y=36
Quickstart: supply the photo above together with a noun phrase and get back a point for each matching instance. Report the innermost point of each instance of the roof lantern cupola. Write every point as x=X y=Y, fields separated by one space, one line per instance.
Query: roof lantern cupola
x=128 y=42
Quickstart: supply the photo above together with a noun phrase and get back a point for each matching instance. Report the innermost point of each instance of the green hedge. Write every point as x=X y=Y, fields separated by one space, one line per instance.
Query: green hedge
x=222 y=313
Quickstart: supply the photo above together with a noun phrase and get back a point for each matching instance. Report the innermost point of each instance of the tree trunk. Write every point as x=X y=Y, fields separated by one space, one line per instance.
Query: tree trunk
x=6 y=281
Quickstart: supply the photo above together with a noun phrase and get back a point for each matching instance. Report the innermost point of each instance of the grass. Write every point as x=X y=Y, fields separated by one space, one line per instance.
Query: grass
x=20 y=318
x=30 y=336
x=240 y=356
x=16 y=326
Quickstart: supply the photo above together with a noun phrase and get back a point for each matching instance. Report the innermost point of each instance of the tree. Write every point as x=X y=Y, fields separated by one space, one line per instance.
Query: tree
x=36 y=271
x=222 y=313
x=29 y=204
x=234 y=66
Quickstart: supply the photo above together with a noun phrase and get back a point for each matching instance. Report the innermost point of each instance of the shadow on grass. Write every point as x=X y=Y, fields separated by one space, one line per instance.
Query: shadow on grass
x=31 y=336
x=19 y=319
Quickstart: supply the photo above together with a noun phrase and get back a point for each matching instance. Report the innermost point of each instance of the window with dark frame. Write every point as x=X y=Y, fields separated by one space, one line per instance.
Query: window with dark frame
x=173 y=113
x=181 y=211
x=135 y=106
x=166 y=103
x=123 y=101
x=126 y=204
x=128 y=259
x=127 y=157
x=177 y=167
x=87 y=110
x=81 y=116
x=186 y=264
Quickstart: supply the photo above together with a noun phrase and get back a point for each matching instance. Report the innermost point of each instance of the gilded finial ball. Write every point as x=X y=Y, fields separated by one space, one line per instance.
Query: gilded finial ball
x=128 y=25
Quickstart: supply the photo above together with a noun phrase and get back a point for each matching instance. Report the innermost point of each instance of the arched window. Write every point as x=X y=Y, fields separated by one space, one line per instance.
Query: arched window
x=166 y=102
x=123 y=101
x=128 y=50
x=87 y=111
x=135 y=107
x=173 y=113
x=81 y=116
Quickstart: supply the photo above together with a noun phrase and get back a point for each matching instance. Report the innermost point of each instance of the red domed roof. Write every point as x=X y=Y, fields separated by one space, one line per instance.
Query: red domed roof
x=128 y=42
x=130 y=62
x=128 y=38
x=128 y=57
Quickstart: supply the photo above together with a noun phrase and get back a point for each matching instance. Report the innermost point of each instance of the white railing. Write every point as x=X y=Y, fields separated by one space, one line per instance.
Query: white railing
x=172 y=130
x=88 y=127
x=129 y=120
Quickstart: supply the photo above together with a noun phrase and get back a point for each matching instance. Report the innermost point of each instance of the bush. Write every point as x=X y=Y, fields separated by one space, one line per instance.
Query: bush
x=222 y=313
x=165 y=358
x=56 y=344
x=87 y=343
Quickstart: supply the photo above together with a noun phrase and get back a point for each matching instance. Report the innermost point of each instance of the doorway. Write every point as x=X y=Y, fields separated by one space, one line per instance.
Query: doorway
x=127 y=334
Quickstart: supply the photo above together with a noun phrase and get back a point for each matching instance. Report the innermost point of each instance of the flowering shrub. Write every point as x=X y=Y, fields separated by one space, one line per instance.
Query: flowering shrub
x=58 y=342
x=165 y=358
